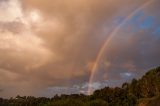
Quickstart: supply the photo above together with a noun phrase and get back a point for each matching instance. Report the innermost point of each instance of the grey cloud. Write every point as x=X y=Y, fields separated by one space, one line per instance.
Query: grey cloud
x=15 y=26
x=134 y=52
x=76 y=38
x=67 y=39
x=1 y=1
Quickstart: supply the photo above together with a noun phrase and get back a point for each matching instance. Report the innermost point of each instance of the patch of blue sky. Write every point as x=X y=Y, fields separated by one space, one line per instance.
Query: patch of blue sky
x=140 y=21
x=156 y=33
x=136 y=17
x=147 y=22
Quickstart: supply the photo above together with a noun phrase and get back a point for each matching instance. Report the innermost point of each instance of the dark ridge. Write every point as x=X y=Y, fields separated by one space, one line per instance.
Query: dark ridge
x=140 y=92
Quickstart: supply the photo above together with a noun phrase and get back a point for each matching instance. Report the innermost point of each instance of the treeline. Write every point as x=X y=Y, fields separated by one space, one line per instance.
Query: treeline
x=127 y=95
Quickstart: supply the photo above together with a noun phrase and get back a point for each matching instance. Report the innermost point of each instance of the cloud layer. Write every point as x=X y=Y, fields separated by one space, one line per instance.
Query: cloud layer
x=50 y=44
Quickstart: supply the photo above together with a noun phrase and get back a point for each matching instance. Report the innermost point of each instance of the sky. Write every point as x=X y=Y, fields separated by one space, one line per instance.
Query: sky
x=50 y=47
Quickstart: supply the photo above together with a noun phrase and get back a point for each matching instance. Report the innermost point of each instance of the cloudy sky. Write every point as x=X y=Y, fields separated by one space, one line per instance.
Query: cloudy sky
x=51 y=46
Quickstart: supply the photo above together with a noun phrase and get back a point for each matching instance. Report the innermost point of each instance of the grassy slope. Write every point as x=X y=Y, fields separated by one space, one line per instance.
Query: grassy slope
x=155 y=101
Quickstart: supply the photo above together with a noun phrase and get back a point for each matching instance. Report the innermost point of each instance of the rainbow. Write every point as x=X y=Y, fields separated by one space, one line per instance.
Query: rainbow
x=111 y=35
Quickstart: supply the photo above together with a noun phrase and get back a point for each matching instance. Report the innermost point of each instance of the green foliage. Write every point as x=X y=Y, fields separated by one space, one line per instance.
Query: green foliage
x=148 y=86
x=96 y=102
x=116 y=96
x=128 y=95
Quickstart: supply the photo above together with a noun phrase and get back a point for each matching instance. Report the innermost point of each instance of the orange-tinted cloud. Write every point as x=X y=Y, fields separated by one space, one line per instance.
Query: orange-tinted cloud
x=51 y=43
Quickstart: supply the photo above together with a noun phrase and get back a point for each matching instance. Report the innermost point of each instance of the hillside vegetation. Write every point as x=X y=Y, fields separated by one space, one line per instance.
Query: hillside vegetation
x=140 y=92
x=155 y=101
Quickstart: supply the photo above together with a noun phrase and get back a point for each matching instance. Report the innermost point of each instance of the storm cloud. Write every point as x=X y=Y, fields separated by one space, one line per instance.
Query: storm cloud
x=47 y=45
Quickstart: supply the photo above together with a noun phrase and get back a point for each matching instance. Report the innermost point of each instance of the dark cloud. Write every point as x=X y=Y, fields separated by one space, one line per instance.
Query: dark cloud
x=3 y=1
x=133 y=51
x=15 y=26
x=53 y=44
